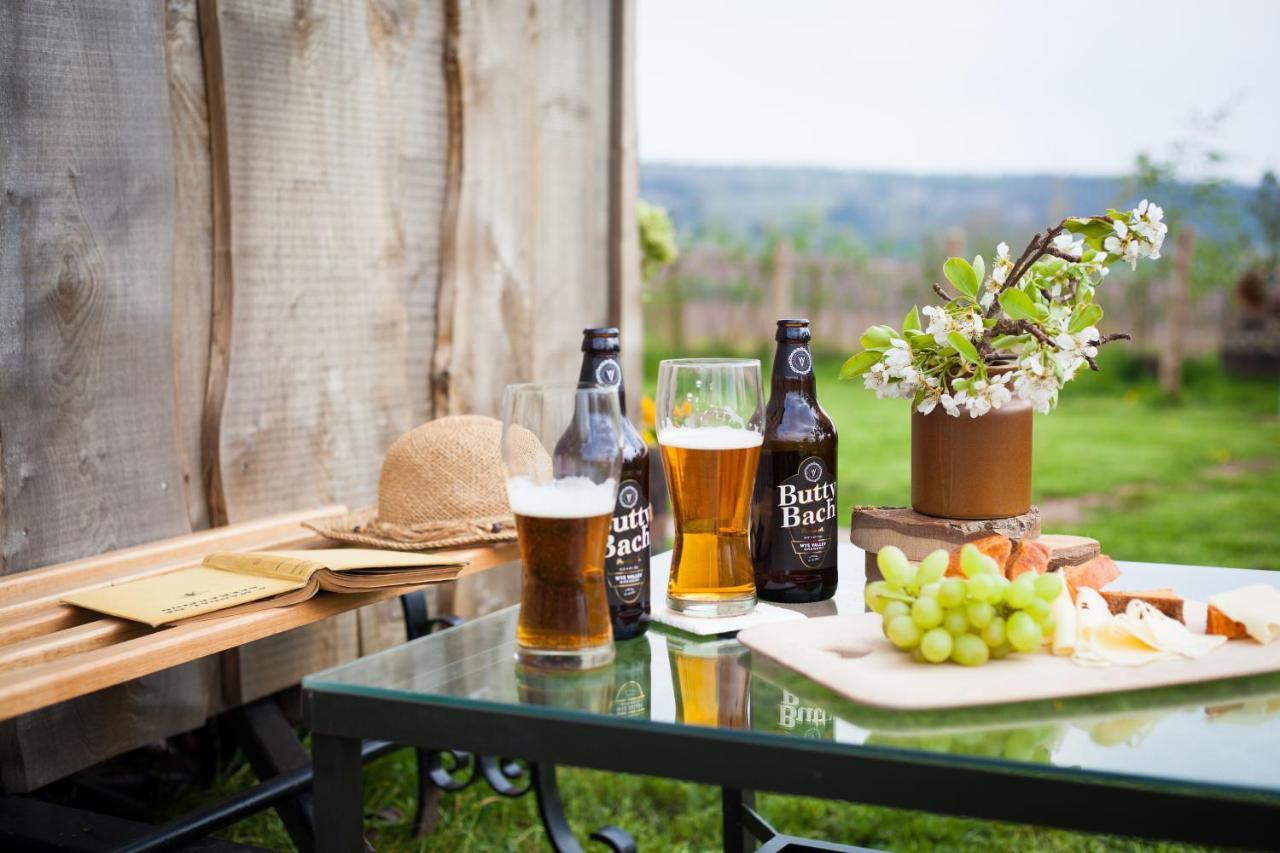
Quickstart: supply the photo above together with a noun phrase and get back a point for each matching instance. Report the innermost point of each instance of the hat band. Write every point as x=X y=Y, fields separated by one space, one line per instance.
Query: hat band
x=438 y=529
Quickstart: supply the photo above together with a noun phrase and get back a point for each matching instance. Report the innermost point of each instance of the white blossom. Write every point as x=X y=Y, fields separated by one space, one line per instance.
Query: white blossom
x=987 y=395
x=1139 y=237
x=1000 y=267
x=951 y=403
x=1069 y=244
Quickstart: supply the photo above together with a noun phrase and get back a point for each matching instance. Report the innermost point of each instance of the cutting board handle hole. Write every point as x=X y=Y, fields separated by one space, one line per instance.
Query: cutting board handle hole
x=849 y=652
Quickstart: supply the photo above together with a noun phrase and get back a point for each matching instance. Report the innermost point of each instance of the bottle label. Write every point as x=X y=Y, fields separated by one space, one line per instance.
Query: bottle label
x=805 y=512
x=608 y=373
x=806 y=720
x=800 y=361
x=626 y=563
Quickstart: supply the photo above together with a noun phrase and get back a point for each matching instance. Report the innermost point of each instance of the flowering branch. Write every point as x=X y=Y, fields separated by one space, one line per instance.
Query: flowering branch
x=1036 y=313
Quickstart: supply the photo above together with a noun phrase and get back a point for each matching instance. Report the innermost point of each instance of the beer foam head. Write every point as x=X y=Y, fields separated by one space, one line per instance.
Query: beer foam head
x=567 y=497
x=710 y=438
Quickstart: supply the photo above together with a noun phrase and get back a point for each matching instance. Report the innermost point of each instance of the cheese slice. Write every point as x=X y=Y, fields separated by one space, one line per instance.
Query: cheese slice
x=1256 y=607
x=1065 y=624
x=1140 y=635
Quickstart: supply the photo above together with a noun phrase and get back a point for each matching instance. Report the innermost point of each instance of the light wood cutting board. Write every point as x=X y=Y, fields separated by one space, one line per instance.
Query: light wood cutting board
x=849 y=654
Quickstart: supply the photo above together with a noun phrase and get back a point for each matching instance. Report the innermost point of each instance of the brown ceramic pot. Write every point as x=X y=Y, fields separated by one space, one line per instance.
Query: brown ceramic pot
x=972 y=467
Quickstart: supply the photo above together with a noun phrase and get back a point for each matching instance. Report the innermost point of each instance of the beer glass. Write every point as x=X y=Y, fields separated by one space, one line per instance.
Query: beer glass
x=710 y=420
x=562 y=450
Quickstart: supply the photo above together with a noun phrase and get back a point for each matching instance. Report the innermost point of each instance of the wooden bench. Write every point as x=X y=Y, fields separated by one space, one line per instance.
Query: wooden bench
x=52 y=653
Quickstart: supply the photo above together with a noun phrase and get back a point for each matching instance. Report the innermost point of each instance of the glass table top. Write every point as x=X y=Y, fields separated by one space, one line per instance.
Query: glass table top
x=1217 y=735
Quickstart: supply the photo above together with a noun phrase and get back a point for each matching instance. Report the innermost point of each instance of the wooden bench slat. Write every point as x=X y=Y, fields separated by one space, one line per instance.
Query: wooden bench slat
x=30 y=687
x=46 y=620
x=81 y=638
x=292 y=537
x=193 y=546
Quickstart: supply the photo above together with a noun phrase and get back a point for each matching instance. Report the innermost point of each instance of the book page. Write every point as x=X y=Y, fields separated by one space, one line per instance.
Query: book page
x=180 y=594
x=300 y=565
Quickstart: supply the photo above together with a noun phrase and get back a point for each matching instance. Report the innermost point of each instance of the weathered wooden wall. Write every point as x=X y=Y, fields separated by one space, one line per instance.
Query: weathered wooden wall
x=245 y=245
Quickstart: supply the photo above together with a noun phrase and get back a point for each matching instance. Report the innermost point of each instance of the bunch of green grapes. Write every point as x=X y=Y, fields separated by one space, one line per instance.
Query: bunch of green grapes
x=967 y=620
x=1029 y=743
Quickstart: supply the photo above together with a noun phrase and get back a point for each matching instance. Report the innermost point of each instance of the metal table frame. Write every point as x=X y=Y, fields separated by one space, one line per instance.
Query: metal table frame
x=741 y=762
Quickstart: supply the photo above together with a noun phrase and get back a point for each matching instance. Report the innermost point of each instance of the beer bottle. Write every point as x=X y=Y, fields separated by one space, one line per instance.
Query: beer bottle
x=626 y=563
x=793 y=541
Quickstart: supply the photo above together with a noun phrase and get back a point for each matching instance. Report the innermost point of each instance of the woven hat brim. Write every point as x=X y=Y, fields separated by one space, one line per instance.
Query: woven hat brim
x=361 y=527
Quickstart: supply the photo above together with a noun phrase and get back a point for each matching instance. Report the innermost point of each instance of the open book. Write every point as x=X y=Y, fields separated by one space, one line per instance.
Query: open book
x=237 y=583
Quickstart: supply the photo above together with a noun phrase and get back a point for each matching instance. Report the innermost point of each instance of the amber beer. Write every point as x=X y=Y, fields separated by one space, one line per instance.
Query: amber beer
x=711 y=472
x=712 y=682
x=626 y=562
x=562 y=533
x=794 y=525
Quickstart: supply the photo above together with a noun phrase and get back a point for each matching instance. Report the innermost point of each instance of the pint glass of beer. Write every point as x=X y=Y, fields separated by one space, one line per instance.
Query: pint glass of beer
x=710 y=419
x=562 y=450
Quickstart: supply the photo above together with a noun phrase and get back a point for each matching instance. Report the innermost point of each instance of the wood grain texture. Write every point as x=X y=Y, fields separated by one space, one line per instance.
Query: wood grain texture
x=527 y=268
x=625 y=281
x=192 y=243
x=90 y=454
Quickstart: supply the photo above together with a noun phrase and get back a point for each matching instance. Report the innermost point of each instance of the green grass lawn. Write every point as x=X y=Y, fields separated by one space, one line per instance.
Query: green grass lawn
x=1189 y=482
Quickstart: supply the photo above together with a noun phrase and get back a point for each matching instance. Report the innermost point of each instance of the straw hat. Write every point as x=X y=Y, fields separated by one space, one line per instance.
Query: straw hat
x=442 y=485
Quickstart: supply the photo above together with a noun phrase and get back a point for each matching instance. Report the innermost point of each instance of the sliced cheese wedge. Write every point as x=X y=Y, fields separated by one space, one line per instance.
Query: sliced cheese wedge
x=1065 y=627
x=1140 y=635
x=1256 y=607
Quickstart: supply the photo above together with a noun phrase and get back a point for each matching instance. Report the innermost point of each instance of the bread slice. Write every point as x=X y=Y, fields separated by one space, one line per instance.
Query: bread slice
x=1066 y=550
x=1165 y=600
x=1219 y=623
x=997 y=547
x=1029 y=555
x=1095 y=574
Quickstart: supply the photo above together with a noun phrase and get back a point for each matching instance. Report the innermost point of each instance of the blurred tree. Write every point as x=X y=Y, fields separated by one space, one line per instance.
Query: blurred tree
x=1266 y=210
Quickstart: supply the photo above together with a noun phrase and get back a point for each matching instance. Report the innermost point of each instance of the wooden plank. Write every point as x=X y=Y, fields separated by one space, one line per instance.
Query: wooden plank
x=192 y=244
x=74 y=574
x=81 y=638
x=527 y=266
x=334 y=124
x=39 y=622
x=90 y=455
x=79 y=674
x=625 y=282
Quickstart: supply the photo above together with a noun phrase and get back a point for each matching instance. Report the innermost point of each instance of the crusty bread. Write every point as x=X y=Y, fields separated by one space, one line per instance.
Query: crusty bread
x=1095 y=574
x=997 y=547
x=1219 y=623
x=1165 y=600
x=1027 y=556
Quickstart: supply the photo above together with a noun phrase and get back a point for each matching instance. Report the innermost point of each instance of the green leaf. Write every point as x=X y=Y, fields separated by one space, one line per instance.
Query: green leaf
x=963 y=346
x=1089 y=228
x=858 y=364
x=961 y=276
x=1083 y=317
x=1042 y=311
x=979 y=269
x=1009 y=341
x=911 y=323
x=1017 y=305
x=876 y=336
x=922 y=342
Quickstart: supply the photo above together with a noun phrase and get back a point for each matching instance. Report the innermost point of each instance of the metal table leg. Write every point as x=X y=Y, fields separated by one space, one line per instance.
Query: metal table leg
x=338 y=794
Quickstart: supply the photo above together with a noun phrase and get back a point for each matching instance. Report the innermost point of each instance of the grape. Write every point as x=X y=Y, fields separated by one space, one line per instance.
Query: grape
x=1021 y=592
x=930 y=590
x=993 y=634
x=1049 y=587
x=969 y=650
x=1039 y=610
x=951 y=593
x=1023 y=632
x=956 y=621
x=980 y=613
x=894 y=609
x=894 y=565
x=1001 y=651
x=903 y=632
x=973 y=562
x=935 y=645
x=984 y=587
x=926 y=613
x=932 y=568
x=873 y=595
x=1002 y=588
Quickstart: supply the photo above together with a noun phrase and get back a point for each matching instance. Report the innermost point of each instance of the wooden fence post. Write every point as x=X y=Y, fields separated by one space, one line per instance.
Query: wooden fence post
x=782 y=280
x=1179 y=295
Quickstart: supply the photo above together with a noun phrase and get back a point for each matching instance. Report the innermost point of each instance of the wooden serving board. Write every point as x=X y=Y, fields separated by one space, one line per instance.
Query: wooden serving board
x=849 y=654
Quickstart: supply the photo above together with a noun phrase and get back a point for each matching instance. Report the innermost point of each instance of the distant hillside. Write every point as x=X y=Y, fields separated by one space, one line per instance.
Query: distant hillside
x=885 y=212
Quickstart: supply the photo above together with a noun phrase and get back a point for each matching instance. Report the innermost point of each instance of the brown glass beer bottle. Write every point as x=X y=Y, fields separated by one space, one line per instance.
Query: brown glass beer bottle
x=626 y=567
x=793 y=535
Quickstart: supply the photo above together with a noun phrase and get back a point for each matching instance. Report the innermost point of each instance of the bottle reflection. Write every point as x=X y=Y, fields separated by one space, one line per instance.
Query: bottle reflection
x=630 y=686
x=712 y=682
x=778 y=710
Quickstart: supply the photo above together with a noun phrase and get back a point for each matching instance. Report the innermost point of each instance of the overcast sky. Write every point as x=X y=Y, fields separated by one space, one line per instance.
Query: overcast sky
x=979 y=86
